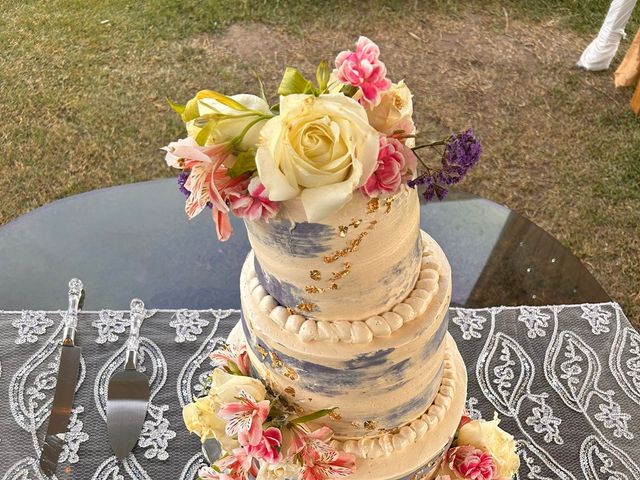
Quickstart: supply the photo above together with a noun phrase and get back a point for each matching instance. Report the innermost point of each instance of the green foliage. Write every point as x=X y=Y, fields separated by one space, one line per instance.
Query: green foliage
x=313 y=416
x=294 y=82
x=245 y=164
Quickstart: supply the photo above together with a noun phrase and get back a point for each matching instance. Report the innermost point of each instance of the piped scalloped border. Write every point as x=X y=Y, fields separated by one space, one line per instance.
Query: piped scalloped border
x=310 y=330
x=384 y=445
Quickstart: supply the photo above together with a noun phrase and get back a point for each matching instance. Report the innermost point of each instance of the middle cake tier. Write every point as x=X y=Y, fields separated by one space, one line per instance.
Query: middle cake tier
x=380 y=374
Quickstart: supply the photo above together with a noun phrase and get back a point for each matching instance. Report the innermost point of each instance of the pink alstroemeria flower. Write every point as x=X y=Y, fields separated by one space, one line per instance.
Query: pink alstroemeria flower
x=239 y=465
x=208 y=182
x=471 y=463
x=363 y=69
x=246 y=416
x=254 y=203
x=208 y=473
x=267 y=449
x=394 y=162
x=236 y=354
x=320 y=461
x=328 y=464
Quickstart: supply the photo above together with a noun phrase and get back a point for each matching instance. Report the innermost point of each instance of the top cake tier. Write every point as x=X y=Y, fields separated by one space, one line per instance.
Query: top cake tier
x=359 y=262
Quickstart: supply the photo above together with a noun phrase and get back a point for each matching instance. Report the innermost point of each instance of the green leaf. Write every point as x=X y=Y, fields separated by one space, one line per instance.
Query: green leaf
x=245 y=163
x=294 y=82
x=263 y=95
x=313 y=416
x=349 y=90
x=203 y=135
x=190 y=111
x=176 y=107
x=223 y=99
x=322 y=76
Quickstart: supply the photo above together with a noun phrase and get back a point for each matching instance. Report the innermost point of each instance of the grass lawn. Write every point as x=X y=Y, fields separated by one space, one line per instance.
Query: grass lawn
x=83 y=87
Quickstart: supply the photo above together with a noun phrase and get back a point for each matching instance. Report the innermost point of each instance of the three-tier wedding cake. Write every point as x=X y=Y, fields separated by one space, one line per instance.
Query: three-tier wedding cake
x=351 y=312
x=341 y=365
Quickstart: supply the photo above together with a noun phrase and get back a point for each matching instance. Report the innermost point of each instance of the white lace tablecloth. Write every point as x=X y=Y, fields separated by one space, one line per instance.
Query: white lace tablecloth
x=564 y=379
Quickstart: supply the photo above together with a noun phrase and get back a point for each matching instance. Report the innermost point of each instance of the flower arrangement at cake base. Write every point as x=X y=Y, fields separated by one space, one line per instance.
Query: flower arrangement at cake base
x=263 y=438
x=481 y=451
x=261 y=434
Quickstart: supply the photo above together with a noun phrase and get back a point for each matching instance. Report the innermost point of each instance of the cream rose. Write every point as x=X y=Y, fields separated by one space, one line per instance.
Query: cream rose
x=395 y=110
x=201 y=416
x=225 y=387
x=321 y=148
x=229 y=127
x=488 y=436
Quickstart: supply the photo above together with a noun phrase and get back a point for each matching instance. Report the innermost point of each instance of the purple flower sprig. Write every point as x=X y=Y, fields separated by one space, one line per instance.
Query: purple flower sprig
x=182 y=179
x=461 y=153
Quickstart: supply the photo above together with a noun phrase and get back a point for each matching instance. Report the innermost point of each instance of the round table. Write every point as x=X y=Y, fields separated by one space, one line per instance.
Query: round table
x=135 y=241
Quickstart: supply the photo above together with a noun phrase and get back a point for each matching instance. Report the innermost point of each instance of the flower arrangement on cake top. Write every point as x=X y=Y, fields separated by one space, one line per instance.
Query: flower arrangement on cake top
x=350 y=132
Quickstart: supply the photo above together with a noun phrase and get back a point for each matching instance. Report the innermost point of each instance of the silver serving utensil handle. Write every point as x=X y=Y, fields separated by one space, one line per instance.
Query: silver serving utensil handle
x=71 y=316
x=133 y=342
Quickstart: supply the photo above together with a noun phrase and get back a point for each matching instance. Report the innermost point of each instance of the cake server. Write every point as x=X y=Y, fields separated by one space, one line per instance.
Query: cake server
x=128 y=393
x=66 y=382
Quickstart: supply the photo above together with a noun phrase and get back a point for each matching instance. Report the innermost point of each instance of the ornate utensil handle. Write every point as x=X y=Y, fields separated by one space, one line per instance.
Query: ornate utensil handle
x=133 y=342
x=71 y=316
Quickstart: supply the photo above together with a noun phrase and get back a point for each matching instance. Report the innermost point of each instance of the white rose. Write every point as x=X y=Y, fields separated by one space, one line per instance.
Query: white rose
x=488 y=436
x=395 y=110
x=321 y=148
x=232 y=126
x=225 y=387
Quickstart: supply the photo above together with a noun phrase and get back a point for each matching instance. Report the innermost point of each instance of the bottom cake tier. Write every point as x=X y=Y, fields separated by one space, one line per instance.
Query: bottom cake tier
x=414 y=450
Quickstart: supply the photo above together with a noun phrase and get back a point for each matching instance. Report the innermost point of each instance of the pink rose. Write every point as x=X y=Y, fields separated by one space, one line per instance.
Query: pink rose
x=394 y=162
x=468 y=462
x=254 y=203
x=267 y=449
x=364 y=70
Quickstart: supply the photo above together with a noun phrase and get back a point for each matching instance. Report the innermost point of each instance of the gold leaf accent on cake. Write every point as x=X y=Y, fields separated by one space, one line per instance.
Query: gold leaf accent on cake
x=275 y=360
x=342 y=273
x=291 y=311
x=389 y=202
x=333 y=286
x=306 y=306
x=355 y=223
x=335 y=415
x=373 y=205
x=313 y=289
x=370 y=424
x=290 y=391
x=342 y=230
x=315 y=275
x=262 y=351
x=290 y=373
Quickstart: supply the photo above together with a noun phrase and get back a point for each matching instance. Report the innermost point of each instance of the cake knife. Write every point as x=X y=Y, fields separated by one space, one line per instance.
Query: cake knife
x=65 y=384
x=128 y=393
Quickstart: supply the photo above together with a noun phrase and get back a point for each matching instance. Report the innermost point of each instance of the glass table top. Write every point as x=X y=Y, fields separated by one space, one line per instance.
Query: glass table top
x=135 y=241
